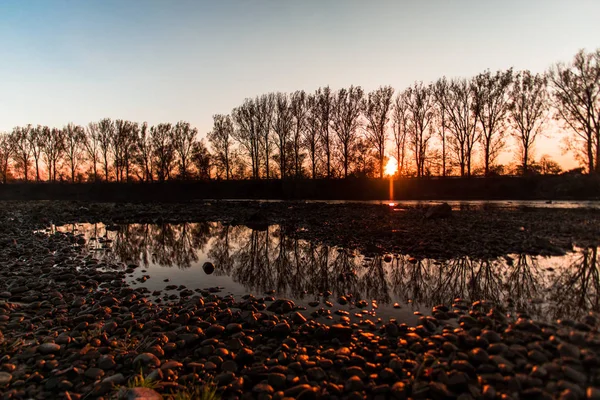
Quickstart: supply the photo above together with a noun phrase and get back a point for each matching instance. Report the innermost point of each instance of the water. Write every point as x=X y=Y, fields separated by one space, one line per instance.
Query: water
x=456 y=204
x=260 y=262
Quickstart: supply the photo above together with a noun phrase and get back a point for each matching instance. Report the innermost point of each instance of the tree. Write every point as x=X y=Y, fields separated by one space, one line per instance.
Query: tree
x=144 y=153
x=400 y=116
x=220 y=139
x=527 y=110
x=491 y=101
x=36 y=144
x=22 y=146
x=547 y=166
x=458 y=104
x=164 y=153
x=264 y=107
x=92 y=147
x=201 y=159
x=325 y=106
x=576 y=98
x=184 y=138
x=312 y=132
x=420 y=105
x=298 y=108
x=52 y=149
x=6 y=153
x=246 y=133
x=122 y=144
x=74 y=139
x=105 y=133
x=345 y=121
x=283 y=120
x=440 y=90
x=376 y=108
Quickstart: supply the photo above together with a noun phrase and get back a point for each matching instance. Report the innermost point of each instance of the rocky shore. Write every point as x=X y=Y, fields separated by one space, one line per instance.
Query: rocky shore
x=71 y=327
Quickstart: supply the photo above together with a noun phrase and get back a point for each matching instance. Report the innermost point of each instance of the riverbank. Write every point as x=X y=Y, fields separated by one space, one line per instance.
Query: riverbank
x=71 y=329
x=540 y=187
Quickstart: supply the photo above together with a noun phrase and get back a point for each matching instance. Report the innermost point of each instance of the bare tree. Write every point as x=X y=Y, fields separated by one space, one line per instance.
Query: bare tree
x=312 y=132
x=264 y=108
x=220 y=139
x=144 y=154
x=184 y=137
x=106 y=130
x=458 y=104
x=22 y=146
x=52 y=149
x=345 y=121
x=440 y=90
x=247 y=134
x=491 y=102
x=6 y=153
x=376 y=108
x=74 y=137
x=576 y=98
x=283 y=120
x=325 y=105
x=122 y=145
x=420 y=105
x=527 y=111
x=92 y=147
x=400 y=117
x=201 y=159
x=35 y=141
x=164 y=152
x=298 y=106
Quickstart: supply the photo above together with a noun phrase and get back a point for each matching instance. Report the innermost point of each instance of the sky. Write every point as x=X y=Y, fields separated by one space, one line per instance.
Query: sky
x=165 y=61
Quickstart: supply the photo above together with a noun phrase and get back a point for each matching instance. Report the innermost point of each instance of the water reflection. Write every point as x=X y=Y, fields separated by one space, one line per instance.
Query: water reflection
x=260 y=261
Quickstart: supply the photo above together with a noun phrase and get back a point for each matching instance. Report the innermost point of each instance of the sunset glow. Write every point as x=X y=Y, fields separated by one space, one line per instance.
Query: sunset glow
x=391 y=167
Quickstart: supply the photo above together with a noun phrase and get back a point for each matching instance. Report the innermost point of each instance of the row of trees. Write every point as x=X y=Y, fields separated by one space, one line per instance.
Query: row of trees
x=107 y=150
x=438 y=127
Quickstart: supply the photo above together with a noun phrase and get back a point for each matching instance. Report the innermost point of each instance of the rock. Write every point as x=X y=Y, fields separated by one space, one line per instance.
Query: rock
x=115 y=379
x=276 y=380
x=94 y=373
x=139 y=394
x=49 y=348
x=5 y=378
x=354 y=384
x=263 y=388
x=208 y=268
x=439 y=211
x=106 y=361
x=592 y=393
x=316 y=373
x=146 y=360
x=399 y=390
x=569 y=350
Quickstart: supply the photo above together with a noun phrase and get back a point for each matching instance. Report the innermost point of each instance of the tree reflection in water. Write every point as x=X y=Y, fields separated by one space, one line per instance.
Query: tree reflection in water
x=547 y=288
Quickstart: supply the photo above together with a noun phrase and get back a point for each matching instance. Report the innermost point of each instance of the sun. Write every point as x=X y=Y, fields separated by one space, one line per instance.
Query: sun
x=391 y=167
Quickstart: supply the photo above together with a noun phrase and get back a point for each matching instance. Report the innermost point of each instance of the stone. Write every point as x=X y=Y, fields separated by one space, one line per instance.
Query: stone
x=208 y=268
x=140 y=393
x=106 y=361
x=276 y=380
x=146 y=360
x=354 y=384
x=5 y=378
x=49 y=348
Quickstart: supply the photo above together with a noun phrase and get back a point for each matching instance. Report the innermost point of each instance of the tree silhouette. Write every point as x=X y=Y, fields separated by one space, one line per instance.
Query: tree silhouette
x=53 y=149
x=23 y=150
x=92 y=147
x=6 y=153
x=376 y=108
x=74 y=139
x=105 y=133
x=246 y=133
x=220 y=139
x=184 y=141
x=312 y=133
x=400 y=117
x=576 y=98
x=345 y=121
x=420 y=106
x=163 y=149
x=325 y=106
x=491 y=106
x=298 y=109
x=283 y=120
x=527 y=109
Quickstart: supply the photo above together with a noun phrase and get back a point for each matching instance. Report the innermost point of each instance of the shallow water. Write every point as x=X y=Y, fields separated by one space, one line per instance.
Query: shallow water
x=456 y=204
x=265 y=262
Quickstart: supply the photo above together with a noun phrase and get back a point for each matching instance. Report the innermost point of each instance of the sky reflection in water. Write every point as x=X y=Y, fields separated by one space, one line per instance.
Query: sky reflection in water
x=251 y=261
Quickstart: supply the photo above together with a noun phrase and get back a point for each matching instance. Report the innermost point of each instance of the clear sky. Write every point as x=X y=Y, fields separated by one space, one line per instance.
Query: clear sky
x=164 y=61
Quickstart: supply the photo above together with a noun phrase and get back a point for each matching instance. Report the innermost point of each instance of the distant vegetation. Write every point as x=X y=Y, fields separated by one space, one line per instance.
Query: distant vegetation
x=449 y=127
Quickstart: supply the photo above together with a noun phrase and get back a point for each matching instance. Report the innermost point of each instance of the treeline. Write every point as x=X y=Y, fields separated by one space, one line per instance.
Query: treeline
x=453 y=126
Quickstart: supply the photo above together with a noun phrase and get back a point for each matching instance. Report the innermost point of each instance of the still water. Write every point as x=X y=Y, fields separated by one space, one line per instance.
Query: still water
x=394 y=285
